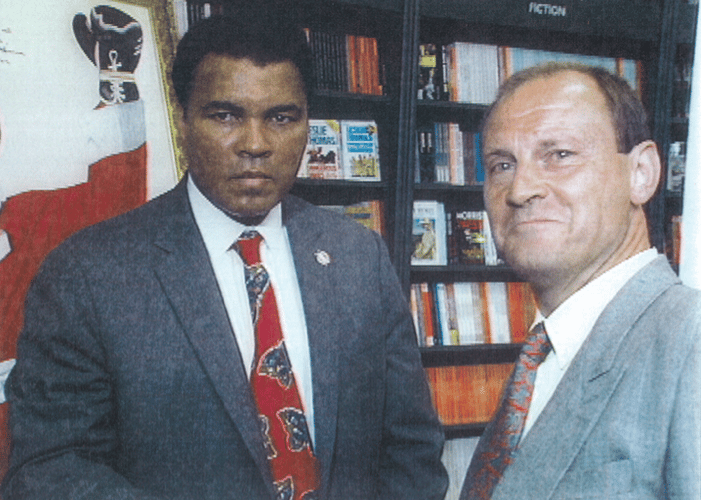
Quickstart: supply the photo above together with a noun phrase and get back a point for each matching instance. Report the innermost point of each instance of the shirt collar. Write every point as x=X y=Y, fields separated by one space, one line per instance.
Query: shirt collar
x=219 y=231
x=569 y=325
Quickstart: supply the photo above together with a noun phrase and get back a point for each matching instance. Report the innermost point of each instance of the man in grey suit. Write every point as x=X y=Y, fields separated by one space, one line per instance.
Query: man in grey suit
x=132 y=379
x=615 y=408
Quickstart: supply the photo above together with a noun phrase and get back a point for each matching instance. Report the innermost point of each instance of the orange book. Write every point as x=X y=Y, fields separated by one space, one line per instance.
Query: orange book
x=467 y=394
x=522 y=308
x=375 y=67
x=352 y=57
x=427 y=302
x=484 y=300
x=517 y=315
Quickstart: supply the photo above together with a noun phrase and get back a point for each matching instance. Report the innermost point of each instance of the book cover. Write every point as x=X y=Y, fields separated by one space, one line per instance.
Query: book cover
x=360 y=150
x=468 y=231
x=430 y=85
x=428 y=234
x=368 y=213
x=322 y=157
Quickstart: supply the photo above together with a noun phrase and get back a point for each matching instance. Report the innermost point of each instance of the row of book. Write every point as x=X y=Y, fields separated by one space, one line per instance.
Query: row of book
x=441 y=237
x=452 y=314
x=189 y=13
x=368 y=213
x=467 y=394
x=471 y=72
x=341 y=149
x=449 y=155
x=347 y=63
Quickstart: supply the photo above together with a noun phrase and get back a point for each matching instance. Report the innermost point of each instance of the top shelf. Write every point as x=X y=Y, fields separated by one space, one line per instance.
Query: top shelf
x=636 y=19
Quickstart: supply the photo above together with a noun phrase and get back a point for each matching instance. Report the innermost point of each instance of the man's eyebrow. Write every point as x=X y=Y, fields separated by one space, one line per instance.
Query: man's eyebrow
x=499 y=153
x=222 y=105
x=284 y=108
x=235 y=108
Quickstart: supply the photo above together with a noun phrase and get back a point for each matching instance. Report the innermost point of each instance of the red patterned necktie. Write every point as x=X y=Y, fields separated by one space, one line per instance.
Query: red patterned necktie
x=493 y=457
x=281 y=417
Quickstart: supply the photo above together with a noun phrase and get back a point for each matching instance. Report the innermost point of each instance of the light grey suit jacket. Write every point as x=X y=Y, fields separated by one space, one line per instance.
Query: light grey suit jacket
x=625 y=421
x=129 y=382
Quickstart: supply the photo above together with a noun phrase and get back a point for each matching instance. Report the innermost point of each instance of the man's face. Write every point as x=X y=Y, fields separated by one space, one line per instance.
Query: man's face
x=245 y=129
x=557 y=190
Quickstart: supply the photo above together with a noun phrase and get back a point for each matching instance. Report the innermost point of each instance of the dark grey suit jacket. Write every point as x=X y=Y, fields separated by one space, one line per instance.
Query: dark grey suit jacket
x=129 y=382
x=625 y=421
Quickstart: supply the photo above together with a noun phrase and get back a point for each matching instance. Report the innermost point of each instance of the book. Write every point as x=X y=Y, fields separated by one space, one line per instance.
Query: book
x=322 y=156
x=467 y=394
x=676 y=165
x=426 y=152
x=497 y=312
x=345 y=63
x=428 y=315
x=360 y=150
x=466 y=313
x=515 y=59
x=447 y=154
x=468 y=234
x=429 y=234
x=522 y=309
x=473 y=71
x=368 y=213
x=430 y=85
x=674 y=242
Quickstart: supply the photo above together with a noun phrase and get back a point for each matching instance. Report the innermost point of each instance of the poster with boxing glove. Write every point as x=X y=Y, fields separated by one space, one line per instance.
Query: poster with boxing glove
x=86 y=132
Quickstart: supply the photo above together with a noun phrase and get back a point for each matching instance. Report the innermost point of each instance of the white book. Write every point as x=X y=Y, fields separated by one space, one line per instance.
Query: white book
x=465 y=313
x=498 y=309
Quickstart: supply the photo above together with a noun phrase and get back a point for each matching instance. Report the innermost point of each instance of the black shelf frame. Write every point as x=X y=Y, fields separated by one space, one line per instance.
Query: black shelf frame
x=464 y=430
x=474 y=354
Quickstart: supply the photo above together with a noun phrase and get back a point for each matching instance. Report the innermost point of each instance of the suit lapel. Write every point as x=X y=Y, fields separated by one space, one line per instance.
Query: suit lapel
x=183 y=268
x=307 y=239
x=582 y=395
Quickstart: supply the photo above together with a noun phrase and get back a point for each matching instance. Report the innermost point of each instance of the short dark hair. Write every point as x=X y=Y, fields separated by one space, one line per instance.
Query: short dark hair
x=627 y=111
x=257 y=31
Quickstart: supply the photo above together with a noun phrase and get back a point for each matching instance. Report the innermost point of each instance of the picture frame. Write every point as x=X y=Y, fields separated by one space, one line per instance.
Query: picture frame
x=163 y=23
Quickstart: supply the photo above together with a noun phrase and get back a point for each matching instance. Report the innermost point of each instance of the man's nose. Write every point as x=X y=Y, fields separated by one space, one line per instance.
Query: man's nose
x=254 y=140
x=527 y=183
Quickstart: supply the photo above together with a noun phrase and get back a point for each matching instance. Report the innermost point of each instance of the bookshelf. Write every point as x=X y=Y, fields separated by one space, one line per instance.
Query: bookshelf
x=657 y=34
x=672 y=128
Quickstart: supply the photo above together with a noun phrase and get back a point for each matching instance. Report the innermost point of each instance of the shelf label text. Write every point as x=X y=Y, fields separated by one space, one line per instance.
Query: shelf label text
x=546 y=9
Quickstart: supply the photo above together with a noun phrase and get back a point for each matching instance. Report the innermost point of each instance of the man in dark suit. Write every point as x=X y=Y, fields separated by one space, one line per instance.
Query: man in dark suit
x=613 y=409
x=132 y=379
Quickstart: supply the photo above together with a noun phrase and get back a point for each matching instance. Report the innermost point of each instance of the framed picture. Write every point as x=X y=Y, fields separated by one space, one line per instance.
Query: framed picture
x=87 y=131
x=58 y=115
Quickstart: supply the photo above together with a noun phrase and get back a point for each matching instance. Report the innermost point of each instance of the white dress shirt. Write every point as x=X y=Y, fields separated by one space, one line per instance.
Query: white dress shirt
x=219 y=232
x=569 y=325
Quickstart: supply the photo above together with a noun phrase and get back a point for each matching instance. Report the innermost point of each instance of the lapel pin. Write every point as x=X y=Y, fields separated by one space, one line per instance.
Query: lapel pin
x=322 y=257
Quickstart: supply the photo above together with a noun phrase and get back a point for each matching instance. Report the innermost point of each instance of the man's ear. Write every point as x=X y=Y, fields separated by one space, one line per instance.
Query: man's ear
x=645 y=171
